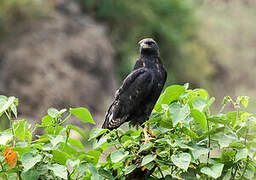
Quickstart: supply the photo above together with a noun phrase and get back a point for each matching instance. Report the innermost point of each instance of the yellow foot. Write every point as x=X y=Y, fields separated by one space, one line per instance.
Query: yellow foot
x=151 y=132
x=146 y=137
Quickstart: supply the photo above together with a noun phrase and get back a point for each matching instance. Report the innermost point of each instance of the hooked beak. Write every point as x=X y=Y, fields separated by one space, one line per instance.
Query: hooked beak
x=144 y=46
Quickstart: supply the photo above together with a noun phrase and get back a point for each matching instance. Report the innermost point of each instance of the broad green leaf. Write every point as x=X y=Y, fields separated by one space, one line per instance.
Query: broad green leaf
x=198 y=151
x=59 y=170
x=199 y=117
x=83 y=114
x=145 y=147
x=164 y=141
x=12 y=176
x=76 y=142
x=72 y=164
x=227 y=155
x=118 y=155
x=218 y=119
x=21 y=129
x=129 y=169
x=189 y=132
x=93 y=156
x=178 y=113
x=106 y=174
x=60 y=156
x=224 y=139
x=56 y=140
x=202 y=93
x=47 y=121
x=199 y=104
x=5 y=137
x=170 y=94
x=214 y=171
x=214 y=131
x=181 y=160
x=147 y=159
x=14 y=110
x=7 y=105
x=53 y=112
x=96 y=132
x=150 y=165
x=30 y=175
x=29 y=160
x=249 y=173
x=241 y=154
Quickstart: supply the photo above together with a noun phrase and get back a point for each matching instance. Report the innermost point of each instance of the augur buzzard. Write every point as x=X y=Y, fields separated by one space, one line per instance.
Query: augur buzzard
x=135 y=99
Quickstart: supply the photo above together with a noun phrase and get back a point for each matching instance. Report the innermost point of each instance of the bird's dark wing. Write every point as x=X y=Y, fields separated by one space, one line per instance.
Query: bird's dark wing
x=133 y=91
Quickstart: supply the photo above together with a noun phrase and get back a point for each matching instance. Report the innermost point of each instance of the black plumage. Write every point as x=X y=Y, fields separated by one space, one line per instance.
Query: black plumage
x=135 y=99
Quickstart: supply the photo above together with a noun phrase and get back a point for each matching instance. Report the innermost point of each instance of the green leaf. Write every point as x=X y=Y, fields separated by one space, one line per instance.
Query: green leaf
x=5 y=137
x=14 y=110
x=198 y=151
x=214 y=171
x=241 y=154
x=147 y=159
x=171 y=93
x=106 y=174
x=199 y=117
x=7 y=105
x=29 y=160
x=96 y=132
x=30 y=174
x=59 y=170
x=21 y=129
x=83 y=114
x=118 y=155
x=178 y=113
x=56 y=140
x=189 y=132
x=12 y=176
x=129 y=169
x=53 y=112
x=60 y=156
x=202 y=93
x=72 y=164
x=76 y=142
x=47 y=121
x=93 y=156
x=199 y=104
x=145 y=147
x=224 y=139
x=181 y=160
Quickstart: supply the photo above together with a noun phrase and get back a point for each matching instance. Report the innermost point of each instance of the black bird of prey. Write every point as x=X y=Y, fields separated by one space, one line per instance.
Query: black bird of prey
x=135 y=99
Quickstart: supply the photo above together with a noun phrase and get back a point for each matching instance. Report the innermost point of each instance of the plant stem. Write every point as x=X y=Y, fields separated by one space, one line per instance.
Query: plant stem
x=11 y=124
x=209 y=140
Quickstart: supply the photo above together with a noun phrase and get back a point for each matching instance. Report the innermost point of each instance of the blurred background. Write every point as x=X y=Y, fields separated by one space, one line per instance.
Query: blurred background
x=70 y=53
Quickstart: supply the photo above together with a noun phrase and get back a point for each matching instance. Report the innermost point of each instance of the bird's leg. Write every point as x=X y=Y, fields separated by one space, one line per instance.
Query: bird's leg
x=151 y=132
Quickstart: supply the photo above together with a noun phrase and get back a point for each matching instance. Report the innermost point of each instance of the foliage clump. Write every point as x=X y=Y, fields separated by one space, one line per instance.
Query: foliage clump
x=182 y=139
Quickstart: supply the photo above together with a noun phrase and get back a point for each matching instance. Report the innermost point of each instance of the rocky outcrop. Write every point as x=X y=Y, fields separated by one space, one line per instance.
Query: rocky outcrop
x=61 y=61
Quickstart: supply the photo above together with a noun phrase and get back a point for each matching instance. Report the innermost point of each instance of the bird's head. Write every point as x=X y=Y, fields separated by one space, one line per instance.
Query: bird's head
x=148 y=47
